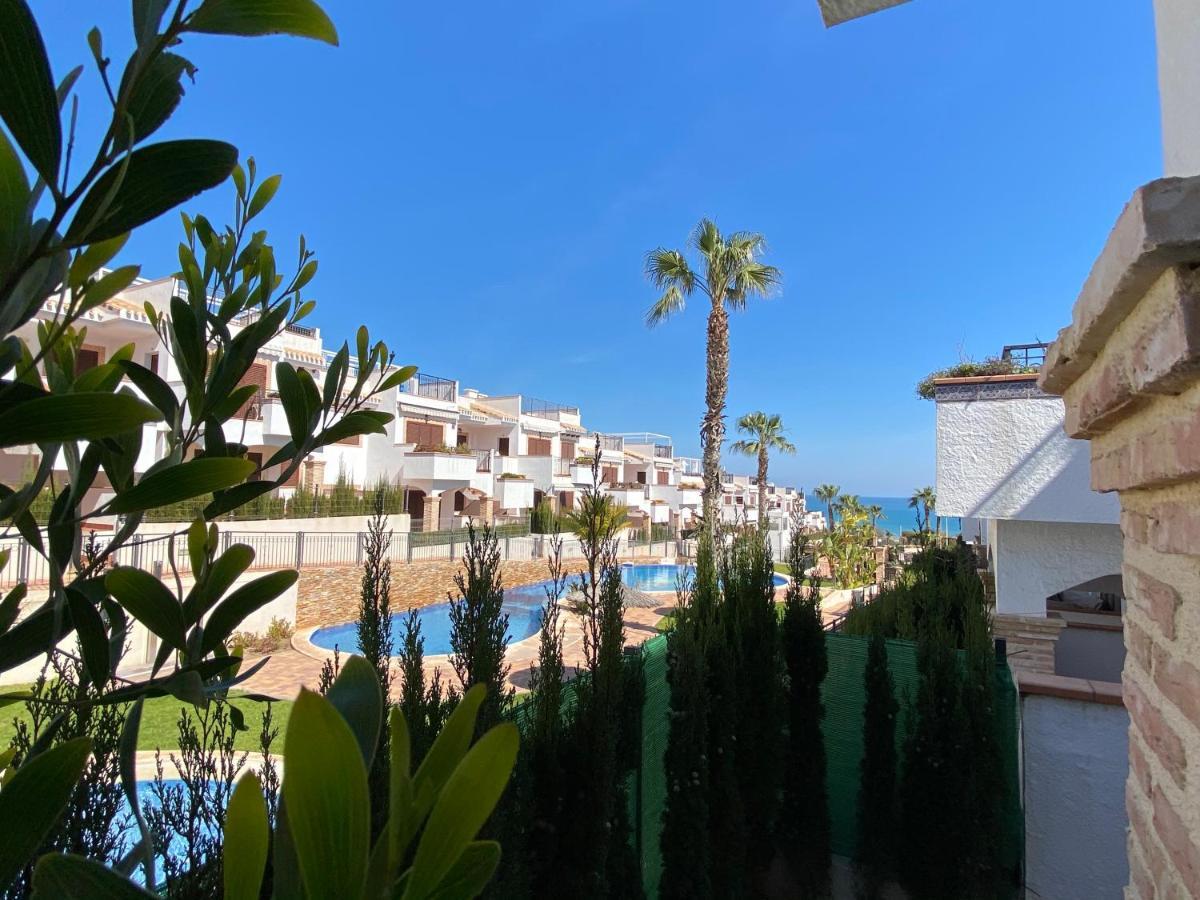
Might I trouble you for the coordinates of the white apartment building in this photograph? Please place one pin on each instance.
(459, 453)
(1053, 544)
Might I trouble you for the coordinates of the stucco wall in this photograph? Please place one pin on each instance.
(1010, 459)
(1033, 560)
(1075, 766)
(1177, 26)
(398, 522)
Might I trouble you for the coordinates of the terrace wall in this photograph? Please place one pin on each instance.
(1128, 368)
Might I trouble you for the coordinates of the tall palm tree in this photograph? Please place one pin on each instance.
(731, 275)
(875, 511)
(828, 494)
(765, 434)
(923, 501)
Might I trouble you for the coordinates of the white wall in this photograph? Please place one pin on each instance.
(141, 648)
(1075, 764)
(397, 522)
(1011, 459)
(1033, 560)
(1177, 24)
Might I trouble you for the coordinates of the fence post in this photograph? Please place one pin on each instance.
(22, 562)
(361, 539)
(136, 545)
(451, 543)
(507, 547)
(408, 546)
(226, 540)
(299, 549)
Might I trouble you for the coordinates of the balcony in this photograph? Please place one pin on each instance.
(1025, 356)
(662, 451)
(439, 465)
(483, 460)
(514, 493)
(432, 387)
(544, 409)
(690, 465)
(180, 290)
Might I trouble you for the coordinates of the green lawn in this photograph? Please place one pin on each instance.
(783, 568)
(160, 719)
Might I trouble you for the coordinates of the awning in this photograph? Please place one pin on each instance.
(411, 410)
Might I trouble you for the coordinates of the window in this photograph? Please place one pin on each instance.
(568, 449)
(641, 477)
(664, 477)
(424, 433)
(257, 376)
(539, 446)
(86, 359)
(609, 474)
(502, 446)
(566, 500)
(153, 363)
(463, 439)
(460, 501)
(728, 500)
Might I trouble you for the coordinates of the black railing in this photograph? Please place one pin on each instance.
(1028, 356)
(531, 406)
(431, 386)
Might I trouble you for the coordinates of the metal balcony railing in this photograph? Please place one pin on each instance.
(422, 385)
(690, 465)
(180, 290)
(607, 442)
(662, 451)
(1029, 356)
(483, 460)
(531, 406)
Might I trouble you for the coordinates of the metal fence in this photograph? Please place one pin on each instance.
(326, 549)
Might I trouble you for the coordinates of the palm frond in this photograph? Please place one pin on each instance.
(754, 278)
(664, 307)
(747, 244)
(747, 448)
(706, 238)
(669, 267)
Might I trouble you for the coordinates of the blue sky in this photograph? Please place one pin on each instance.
(481, 182)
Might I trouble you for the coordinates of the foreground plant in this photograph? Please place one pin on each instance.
(66, 211)
(321, 844)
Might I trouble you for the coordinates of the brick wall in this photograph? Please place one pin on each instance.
(1128, 368)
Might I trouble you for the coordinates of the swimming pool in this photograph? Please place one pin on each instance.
(663, 577)
(524, 605)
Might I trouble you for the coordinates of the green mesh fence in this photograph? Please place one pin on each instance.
(844, 696)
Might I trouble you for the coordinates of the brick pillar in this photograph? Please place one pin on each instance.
(487, 510)
(433, 511)
(1128, 368)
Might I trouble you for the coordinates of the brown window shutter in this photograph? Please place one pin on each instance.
(257, 376)
(86, 359)
(423, 433)
(609, 474)
(539, 446)
(664, 477)
(568, 449)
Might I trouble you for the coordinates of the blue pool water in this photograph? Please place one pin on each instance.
(523, 604)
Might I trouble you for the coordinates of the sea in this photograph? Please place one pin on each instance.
(897, 516)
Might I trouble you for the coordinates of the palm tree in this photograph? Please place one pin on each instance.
(827, 494)
(876, 513)
(923, 501)
(731, 275)
(765, 434)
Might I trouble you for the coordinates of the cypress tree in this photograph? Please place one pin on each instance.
(933, 788)
(479, 626)
(375, 644)
(685, 837)
(803, 829)
(425, 704)
(877, 789)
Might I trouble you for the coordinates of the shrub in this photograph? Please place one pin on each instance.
(277, 637)
(991, 365)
